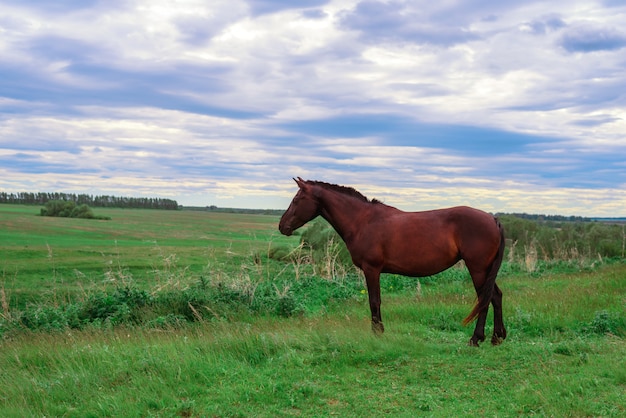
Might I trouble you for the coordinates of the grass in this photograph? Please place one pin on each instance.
(43, 255)
(565, 355)
(312, 366)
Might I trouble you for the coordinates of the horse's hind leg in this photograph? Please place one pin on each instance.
(499, 332)
(479, 331)
(478, 277)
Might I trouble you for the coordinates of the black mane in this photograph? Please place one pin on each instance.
(343, 189)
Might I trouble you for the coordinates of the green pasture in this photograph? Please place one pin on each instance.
(46, 254)
(194, 317)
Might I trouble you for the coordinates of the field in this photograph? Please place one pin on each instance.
(183, 313)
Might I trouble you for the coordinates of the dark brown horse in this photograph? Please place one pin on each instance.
(383, 239)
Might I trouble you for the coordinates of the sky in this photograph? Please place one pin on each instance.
(507, 106)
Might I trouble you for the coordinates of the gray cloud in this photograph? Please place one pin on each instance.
(591, 39)
(314, 14)
(61, 6)
(259, 7)
(595, 122)
(399, 21)
(544, 25)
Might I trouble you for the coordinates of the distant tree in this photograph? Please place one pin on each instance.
(82, 211)
(60, 208)
(68, 209)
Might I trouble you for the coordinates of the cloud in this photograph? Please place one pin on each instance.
(399, 21)
(402, 131)
(259, 7)
(543, 25)
(198, 25)
(314, 14)
(586, 38)
(598, 121)
(497, 104)
(60, 6)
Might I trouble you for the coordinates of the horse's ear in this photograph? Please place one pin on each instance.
(299, 182)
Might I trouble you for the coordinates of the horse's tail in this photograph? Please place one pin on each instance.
(486, 291)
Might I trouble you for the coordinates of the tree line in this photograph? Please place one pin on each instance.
(247, 211)
(41, 198)
(546, 218)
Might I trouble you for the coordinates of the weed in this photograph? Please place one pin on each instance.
(530, 257)
(6, 314)
(605, 322)
(168, 321)
(521, 320)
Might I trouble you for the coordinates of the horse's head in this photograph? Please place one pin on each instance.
(303, 208)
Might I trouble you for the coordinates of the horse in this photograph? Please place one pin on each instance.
(384, 239)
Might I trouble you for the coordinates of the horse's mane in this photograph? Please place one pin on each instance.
(342, 189)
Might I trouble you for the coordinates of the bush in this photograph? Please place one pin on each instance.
(82, 211)
(605, 322)
(171, 309)
(559, 241)
(68, 209)
(119, 307)
(280, 253)
(169, 321)
(325, 242)
(286, 305)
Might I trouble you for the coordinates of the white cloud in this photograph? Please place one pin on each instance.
(497, 104)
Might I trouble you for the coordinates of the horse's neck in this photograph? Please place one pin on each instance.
(341, 211)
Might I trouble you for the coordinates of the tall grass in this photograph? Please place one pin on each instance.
(252, 285)
(279, 280)
(564, 241)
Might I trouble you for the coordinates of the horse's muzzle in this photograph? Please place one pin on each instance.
(285, 230)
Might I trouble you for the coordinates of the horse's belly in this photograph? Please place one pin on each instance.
(419, 268)
(421, 259)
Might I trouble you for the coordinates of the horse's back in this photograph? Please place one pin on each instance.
(471, 222)
(458, 220)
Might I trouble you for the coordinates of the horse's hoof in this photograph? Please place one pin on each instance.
(473, 343)
(378, 328)
(496, 340)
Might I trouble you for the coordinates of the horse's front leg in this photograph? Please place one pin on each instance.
(372, 277)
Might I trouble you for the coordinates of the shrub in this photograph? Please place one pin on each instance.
(202, 301)
(280, 253)
(119, 307)
(68, 209)
(46, 318)
(82, 211)
(605, 322)
(168, 321)
(286, 305)
(324, 241)
(562, 241)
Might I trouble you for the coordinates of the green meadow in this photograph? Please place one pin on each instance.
(191, 313)
(41, 256)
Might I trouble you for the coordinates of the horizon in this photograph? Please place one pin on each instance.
(259, 209)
